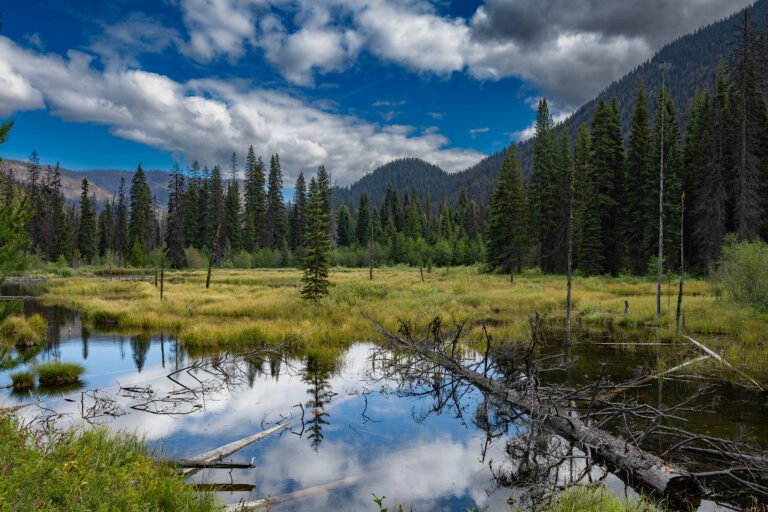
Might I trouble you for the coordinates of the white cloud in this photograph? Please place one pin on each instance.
(208, 119)
(570, 49)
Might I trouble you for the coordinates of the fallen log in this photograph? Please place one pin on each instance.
(224, 487)
(636, 466)
(726, 363)
(215, 464)
(301, 494)
(649, 378)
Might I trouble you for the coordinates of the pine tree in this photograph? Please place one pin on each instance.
(414, 228)
(121, 237)
(589, 241)
(204, 222)
(86, 233)
(606, 176)
(256, 199)
(507, 240)
(363, 228)
(749, 110)
(189, 206)
(344, 227)
(543, 199)
(298, 214)
(641, 176)
(215, 216)
(140, 225)
(275, 206)
(105, 230)
(233, 226)
(316, 264)
(174, 233)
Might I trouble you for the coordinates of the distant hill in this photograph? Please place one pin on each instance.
(693, 61)
(103, 183)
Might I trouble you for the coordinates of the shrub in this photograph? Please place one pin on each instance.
(22, 380)
(743, 272)
(195, 258)
(242, 260)
(59, 374)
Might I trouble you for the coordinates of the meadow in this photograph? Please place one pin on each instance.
(248, 307)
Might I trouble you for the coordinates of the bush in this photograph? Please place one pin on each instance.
(95, 470)
(267, 258)
(743, 272)
(22, 380)
(195, 258)
(59, 374)
(242, 259)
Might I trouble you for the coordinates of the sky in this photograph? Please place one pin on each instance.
(349, 84)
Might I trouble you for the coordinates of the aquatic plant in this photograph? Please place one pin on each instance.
(58, 373)
(22, 380)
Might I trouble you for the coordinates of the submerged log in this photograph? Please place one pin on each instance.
(636, 466)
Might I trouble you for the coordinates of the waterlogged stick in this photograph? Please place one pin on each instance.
(726, 363)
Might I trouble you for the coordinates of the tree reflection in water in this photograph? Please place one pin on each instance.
(317, 374)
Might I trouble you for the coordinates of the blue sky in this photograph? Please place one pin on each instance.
(346, 83)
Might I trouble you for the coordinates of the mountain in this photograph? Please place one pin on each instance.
(692, 60)
(103, 183)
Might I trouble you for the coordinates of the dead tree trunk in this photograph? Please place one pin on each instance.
(636, 466)
(211, 259)
(682, 266)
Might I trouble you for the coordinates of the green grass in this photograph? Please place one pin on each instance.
(22, 380)
(23, 331)
(89, 471)
(250, 307)
(58, 373)
(595, 499)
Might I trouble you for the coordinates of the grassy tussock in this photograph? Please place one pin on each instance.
(90, 471)
(22, 381)
(18, 330)
(595, 499)
(244, 307)
(59, 373)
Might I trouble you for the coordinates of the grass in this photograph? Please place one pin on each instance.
(248, 307)
(23, 380)
(23, 331)
(88, 471)
(595, 499)
(59, 373)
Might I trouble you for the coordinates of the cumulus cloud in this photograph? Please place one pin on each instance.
(569, 49)
(208, 119)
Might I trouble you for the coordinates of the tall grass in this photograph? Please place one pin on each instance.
(58, 373)
(23, 331)
(92, 470)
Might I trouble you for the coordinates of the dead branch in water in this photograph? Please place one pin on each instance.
(617, 434)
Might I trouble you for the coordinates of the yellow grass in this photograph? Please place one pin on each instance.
(245, 307)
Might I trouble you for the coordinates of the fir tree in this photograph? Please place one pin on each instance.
(140, 225)
(344, 227)
(542, 189)
(190, 204)
(121, 237)
(316, 264)
(298, 214)
(174, 233)
(86, 233)
(105, 230)
(363, 228)
(507, 239)
(640, 179)
(589, 242)
(275, 206)
(216, 214)
(256, 199)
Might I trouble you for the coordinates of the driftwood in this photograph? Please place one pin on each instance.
(186, 463)
(635, 465)
(650, 378)
(726, 363)
(301, 494)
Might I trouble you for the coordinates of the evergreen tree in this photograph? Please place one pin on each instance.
(121, 237)
(233, 227)
(86, 233)
(256, 199)
(204, 221)
(414, 228)
(542, 188)
(105, 230)
(606, 176)
(507, 241)
(344, 227)
(298, 214)
(190, 204)
(175, 233)
(140, 225)
(363, 228)
(641, 175)
(749, 113)
(275, 206)
(316, 264)
(216, 214)
(589, 241)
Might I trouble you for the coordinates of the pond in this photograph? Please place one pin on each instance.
(353, 429)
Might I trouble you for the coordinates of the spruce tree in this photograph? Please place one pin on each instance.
(507, 237)
(318, 248)
(216, 227)
(589, 241)
(256, 199)
(299, 214)
(121, 235)
(105, 230)
(140, 225)
(344, 227)
(543, 198)
(363, 228)
(641, 173)
(275, 206)
(204, 222)
(86, 233)
(190, 205)
(175, 233)
(606, 176)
